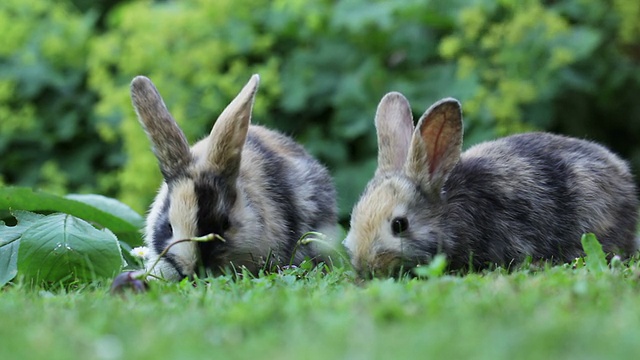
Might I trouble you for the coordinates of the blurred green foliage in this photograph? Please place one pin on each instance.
(47, 132)
(66, 123)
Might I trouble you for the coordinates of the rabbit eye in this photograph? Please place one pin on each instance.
(226, 224)
(399, 225)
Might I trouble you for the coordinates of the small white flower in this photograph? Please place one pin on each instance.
(140, 251)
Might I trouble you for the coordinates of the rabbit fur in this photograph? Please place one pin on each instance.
(499, 202)
(256, 188)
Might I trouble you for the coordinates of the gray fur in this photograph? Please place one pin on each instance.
(499, 202)
(255, 187)
(393, 136)
(169, 143)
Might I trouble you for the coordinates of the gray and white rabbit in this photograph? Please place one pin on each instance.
(499, 202)
(256, 188)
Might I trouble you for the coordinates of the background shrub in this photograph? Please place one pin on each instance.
(569, 66)
(48, 136)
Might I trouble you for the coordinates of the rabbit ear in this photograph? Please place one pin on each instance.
(394, 125)
(230, 131)
(169, 143)
(436, 145)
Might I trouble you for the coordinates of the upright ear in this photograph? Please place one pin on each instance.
(436, 145)
(169, 143)
(230, 131)
(394, 125)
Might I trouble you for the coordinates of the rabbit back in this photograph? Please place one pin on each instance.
(289, 190)
(535, 194)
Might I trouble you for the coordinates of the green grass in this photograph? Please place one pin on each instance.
(556, 312)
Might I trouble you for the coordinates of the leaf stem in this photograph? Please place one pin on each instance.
(205, 238)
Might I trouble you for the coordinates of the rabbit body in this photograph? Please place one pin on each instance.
(256, 188)
(499, 202)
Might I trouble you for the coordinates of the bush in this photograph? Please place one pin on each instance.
(48, 137)
(568, 66)
(323, 71)
(199, 54)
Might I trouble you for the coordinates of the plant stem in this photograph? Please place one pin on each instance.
(164, 252)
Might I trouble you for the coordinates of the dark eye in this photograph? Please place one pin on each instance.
(169, 229)
(399, 225)
(226, 224)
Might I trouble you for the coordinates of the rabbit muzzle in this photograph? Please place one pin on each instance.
(385, 264)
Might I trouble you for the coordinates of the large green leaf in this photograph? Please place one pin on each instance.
(109, 213)
(10, 242)
(61, 247)
(110, 206)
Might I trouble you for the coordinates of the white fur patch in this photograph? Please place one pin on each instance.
(183, 211)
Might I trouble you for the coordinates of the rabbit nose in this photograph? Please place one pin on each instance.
(365, 274)
(368, 270)
(363, 269)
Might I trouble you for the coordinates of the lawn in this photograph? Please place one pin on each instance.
(559, 312)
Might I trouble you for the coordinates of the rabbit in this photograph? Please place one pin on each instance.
(255, 188)
(498, 203)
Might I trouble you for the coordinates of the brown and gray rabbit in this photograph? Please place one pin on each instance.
(256, 188)
(499, 202)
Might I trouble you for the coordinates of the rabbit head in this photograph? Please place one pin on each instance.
(396, 223)
(199, 183)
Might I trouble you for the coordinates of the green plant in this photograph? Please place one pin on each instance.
(515, 66)
(565, 66)
(66, 123)
(203, 52)
(48, 137)
(197, 53)
(63, 246)
(551, 312)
